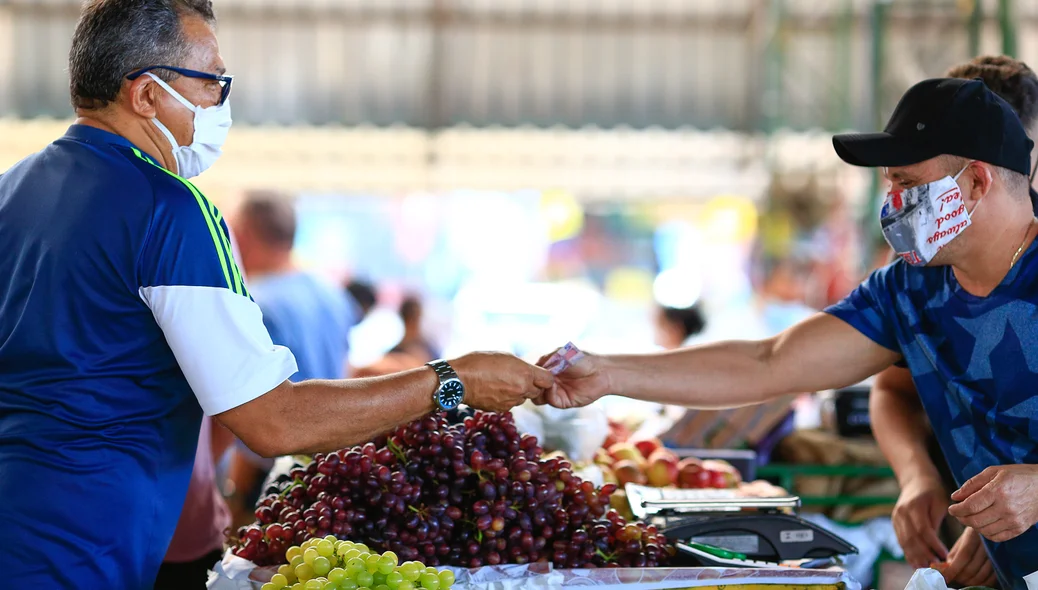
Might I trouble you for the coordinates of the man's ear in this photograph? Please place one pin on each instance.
(981, 179)
(141, 96)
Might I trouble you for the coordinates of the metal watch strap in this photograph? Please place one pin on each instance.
(443, 369)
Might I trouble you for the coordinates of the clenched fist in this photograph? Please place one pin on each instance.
(498, 382)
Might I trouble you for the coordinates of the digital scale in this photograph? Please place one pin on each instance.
(720, 528)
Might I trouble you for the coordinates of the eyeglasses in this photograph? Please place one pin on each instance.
(224, 81)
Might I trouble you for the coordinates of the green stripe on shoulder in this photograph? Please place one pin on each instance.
(214, 229)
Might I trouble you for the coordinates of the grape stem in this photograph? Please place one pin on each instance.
(295, 483)
(396, 450)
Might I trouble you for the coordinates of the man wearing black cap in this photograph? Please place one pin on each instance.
(898, 418)
(958, 308)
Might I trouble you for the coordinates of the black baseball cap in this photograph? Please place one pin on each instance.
(943, 116)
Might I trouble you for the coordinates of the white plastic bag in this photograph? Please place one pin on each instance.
(577, 432)
(927, 579)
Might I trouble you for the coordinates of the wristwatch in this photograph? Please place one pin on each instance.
(451, 391)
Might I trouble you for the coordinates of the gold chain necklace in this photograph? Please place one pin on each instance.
(1022, 242)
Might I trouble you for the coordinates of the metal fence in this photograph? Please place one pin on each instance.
(736, 64)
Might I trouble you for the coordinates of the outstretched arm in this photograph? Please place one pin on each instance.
(820, 353)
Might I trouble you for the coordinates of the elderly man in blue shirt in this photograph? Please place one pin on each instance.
(123, 317)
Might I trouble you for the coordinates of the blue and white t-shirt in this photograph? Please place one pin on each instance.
(974, 361)
(122, 318)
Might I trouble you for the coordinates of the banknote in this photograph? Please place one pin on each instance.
(563, 358)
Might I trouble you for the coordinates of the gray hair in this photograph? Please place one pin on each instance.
(1016, 184)
(115, 37)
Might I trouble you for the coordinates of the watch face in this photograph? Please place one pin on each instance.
(450, 394)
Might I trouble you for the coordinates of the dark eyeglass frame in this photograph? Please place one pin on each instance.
(225, 81)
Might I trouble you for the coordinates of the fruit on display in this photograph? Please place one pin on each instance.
(626, 451)
(333, 564)
(618, 432)
(662, 470)
(624, 463)
(627, 471)
(646, 446)
(469, 494)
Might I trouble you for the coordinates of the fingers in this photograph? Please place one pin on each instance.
(1002, 531)
(974, 484)
(981, 520)
(928, 530)
(974, 504)
(544, 359)
(923, 546)
(978, 569)
(542, 378)
(956, 564)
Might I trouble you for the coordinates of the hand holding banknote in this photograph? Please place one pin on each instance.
(579, 378)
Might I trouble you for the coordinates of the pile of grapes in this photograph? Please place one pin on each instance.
(471, 494)
(331, 564)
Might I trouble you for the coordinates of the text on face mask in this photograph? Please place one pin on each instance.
(951, 215)
(949, 197)
(942, 233)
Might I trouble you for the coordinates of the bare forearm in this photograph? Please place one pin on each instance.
(323, 415)
(366, 408)
(726, 374)
(900, 428)
(821, 353)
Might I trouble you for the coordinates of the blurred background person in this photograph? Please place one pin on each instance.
(676, 326)
(414, 344)
(198, 540)
(363, 296)
(300, 310)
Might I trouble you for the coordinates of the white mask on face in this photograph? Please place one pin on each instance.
(211, 127)
(919, 221)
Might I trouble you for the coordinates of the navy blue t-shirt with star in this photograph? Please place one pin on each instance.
(974, 361)
(123, 317)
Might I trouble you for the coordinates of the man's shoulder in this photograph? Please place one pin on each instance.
(168, 188)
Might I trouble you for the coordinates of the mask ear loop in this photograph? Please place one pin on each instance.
(968, 164)
(956, 178)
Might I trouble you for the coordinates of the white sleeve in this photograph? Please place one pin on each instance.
(220, 342)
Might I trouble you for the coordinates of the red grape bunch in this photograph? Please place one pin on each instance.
(471, 494)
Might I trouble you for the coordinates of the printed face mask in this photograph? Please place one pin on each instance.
(211, 127)
(919, 221)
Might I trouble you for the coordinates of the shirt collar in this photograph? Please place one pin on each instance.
(93, 135)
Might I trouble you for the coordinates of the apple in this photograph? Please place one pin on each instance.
(731, 475)
(703, 479)
(618, 432)
(718, 479)
(662, 470)
(608, 476)
(664, 454)
(647, 446)
(628, 472)
(619, 502)
(688, 471)
(626, 452)
(602, 458)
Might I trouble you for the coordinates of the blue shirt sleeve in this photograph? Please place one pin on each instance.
(869, 308)
(188, 243)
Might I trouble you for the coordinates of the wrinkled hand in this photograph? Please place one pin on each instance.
(498, 382)
(917, 516)
(968, 563)
(579, 385)
(999, 502)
